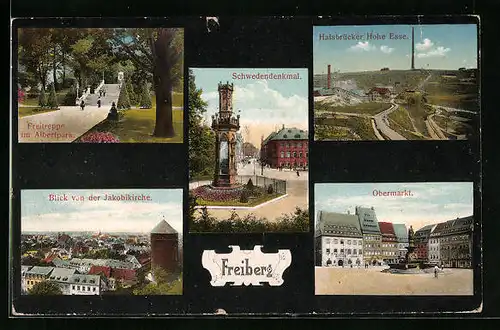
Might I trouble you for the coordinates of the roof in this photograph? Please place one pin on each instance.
(423, 233)
(380, 90)
(386, 228)
(60, 263)
(291, 133)
(368, 220)
(24, 269)
(124, 274)
(96, 270)
(61, 274)
(454, 227)
(40, 270)
(338, 224)
(163, 228)
(85, 279)
(401, 232)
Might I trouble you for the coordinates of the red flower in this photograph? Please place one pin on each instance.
(100, 137)
(20, 95)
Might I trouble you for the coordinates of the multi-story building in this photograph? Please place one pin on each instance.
(402, 237)
(81, 284)
(390, 251)
(421, 239)
(372, 238)
(338, 239)
(61, 276)
(434, 244)
(24, 269)
(36, 275)
(456, 243)
(287, 148)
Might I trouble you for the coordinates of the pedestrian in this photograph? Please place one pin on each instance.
(99, 102)
(104, 93)
(298, 174)
(436, 269)
(82, 105)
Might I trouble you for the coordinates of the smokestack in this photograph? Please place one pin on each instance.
(412, 48)
(329, 76)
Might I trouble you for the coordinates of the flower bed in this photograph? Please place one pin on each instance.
(217, 195)
(99, 137)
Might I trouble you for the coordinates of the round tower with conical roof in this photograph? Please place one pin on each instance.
(164, 247)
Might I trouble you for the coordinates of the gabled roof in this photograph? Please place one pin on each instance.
(39, 270)
(386, 228)
(123, 274)
(163, 228)
(61, 274)
(401, 232)
(85, 279)
(368, 220)
(338, 224)
(96, 270)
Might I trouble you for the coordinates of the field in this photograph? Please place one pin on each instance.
(452, 93)
(452, 126)
(344, 128)
(368, 108)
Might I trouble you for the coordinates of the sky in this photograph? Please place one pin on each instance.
(438, 46)
(431, 203)
(262, 104)
(40, 214)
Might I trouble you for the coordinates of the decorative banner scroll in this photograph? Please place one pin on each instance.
(246, 267)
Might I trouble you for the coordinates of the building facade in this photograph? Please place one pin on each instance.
(62, 277)
(287, 148)
(402, 238)
(422, 235)
(434, 244)
(338, 240)
(372, 238)
(81, 284)
(36, 275)
(456, 243)
(390, 250)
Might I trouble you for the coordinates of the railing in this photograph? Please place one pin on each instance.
(279, 186)
(83, 97)
(98, 88)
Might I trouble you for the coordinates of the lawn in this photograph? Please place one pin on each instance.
(368, 108)
(33, 101)
(345, 128)
(252, 201)
(137, 125)
(28, 111)
(401, 117)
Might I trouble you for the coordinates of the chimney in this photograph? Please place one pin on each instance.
(412, 48)
(329, 76)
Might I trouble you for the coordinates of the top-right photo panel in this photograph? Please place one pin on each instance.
(396, 82)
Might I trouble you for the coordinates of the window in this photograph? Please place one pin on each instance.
(335, 241)
(282, 154)
(335, 251)
(288, 154)
(299, 145)
(348, 251)
(288, 145)
(327, 251)
(341, 241)
(93, 289)
(341, 250)
(355, 242)
(73, 287)
(306, 154)
(78, 288)
(300, 154)
(348, 242)
(360, 251)
(294, 154)
(354, 251)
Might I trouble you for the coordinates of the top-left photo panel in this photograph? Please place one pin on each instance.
(99, 85)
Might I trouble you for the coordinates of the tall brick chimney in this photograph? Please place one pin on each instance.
(329, 78)
(412, 48)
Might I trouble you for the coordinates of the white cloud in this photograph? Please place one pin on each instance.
(425, 45)
(437, 52)
(386, 49)
(362, 46)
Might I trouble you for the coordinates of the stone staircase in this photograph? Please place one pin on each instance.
(112, 94)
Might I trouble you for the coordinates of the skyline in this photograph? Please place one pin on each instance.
(264, 104)
(437, 46)
(431, 203)
(38, 214)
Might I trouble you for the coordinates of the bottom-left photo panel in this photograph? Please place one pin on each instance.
(101, 242)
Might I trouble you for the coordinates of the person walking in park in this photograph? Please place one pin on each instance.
(82, 105)
(99, 102)
(298, 174)
(436, 270)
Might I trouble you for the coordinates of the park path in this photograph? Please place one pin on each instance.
(381, 122)
(63, 125)
(297, 194)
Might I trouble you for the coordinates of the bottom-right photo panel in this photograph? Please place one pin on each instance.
(394, 238)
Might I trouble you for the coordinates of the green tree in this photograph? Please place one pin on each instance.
(145, 98)
(35, 52)
(131, 93)
(42, 99)
(45, 288)
(201, 137)
(159, 52)
(123, 99)
(52, 100)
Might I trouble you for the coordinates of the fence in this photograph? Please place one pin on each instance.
(279, 186)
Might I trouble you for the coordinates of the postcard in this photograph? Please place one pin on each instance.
(248, 150)
(396, 82)
(394, 239)
(113, 85)
(101, 242)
